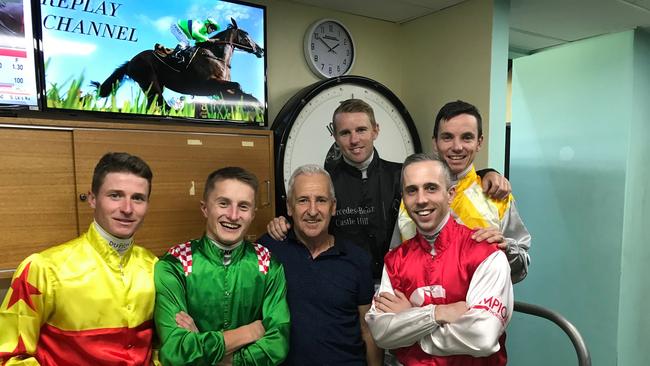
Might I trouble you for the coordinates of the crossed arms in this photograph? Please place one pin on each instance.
(470, 327)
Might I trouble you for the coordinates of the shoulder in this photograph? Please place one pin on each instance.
(178, 256)
(144, 254)
(400, 252)
(391, 165)
(461, 235)
(74, 250)
(265, 262)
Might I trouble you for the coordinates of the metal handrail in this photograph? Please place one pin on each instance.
(584, 359)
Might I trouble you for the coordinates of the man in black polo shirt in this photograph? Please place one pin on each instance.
(329, 280)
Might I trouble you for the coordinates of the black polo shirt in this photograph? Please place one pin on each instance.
(324, 295)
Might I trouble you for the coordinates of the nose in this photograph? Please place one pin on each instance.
(127, 206)
(354, 138)
(420, 198)
(312, 210)
(456, 145)
(232, 213)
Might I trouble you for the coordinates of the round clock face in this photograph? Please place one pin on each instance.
(329, 48)
(310, 138)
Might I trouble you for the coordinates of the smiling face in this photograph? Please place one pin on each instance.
(229, 209)
(355, 135)
(426, 195)
(120, 203)
(458, 141)
(311, 206)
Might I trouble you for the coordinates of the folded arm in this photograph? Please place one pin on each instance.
(477, 331)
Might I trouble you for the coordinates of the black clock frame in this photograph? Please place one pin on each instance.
(284, 122)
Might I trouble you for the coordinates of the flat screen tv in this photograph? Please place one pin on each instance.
(17, 67)
(204, 60)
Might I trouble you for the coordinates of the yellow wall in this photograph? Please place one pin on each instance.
(447, 57)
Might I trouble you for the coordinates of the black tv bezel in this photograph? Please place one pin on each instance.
(12, 109)
(61, 113)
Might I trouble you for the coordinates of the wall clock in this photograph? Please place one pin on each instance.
(329, 48)
(303, 131)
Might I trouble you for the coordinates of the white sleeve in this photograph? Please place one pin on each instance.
(403, 329)
(490, 302)
(518, 239)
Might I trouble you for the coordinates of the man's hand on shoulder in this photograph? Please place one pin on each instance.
(278, 228)
(449, 313)
(389, 303)
(492, 235)
(496, 186)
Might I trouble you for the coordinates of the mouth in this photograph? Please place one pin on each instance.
(124, 221)
(230, 225)
(424, 213)
(454, 158)
(312, 221)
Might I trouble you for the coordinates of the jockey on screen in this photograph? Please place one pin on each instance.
(187, 30)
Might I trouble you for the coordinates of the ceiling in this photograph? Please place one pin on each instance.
(534, 24)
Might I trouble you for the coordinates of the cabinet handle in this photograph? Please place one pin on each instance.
(83, 197)
(268, 194)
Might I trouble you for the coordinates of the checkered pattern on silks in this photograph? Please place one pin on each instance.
(263, 258)
(184, 254)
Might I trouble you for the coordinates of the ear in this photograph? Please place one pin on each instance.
(434, 146)
(92, 200)
(375, 131)
(333, 207)
(204, 209)
(480, 143)
(452, 193)
(289, 208)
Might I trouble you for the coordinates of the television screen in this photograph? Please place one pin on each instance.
(203, 59)
(17, 72)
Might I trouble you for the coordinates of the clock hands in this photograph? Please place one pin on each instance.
(329, 49)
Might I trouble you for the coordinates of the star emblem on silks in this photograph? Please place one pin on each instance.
(20, 350)
(22, 289)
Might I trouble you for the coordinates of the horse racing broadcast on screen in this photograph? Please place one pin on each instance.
(204, 60)
(17, 68)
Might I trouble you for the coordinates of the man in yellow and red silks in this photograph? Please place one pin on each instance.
(89, 301)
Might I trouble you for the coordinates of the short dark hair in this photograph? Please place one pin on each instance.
(420, 157)
(453, 109)
(230, 172)
(119, 162)
(354, 106)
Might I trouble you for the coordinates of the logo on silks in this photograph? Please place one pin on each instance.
(495, 306)
(426, 295)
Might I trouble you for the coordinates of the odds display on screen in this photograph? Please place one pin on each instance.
(17, 74)
(124, 57)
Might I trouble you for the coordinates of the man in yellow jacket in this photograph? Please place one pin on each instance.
(457, 137)
(88, 301)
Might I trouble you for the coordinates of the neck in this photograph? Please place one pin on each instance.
(362, 166)
(432, 235)
(316, 245)
(223, 246)
(457, 177)
(120, 245)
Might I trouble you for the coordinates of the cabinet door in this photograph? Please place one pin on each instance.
(37, 193)
(180, 162)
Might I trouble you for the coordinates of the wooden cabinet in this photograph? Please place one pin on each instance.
(47, 170)
(37, 193)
